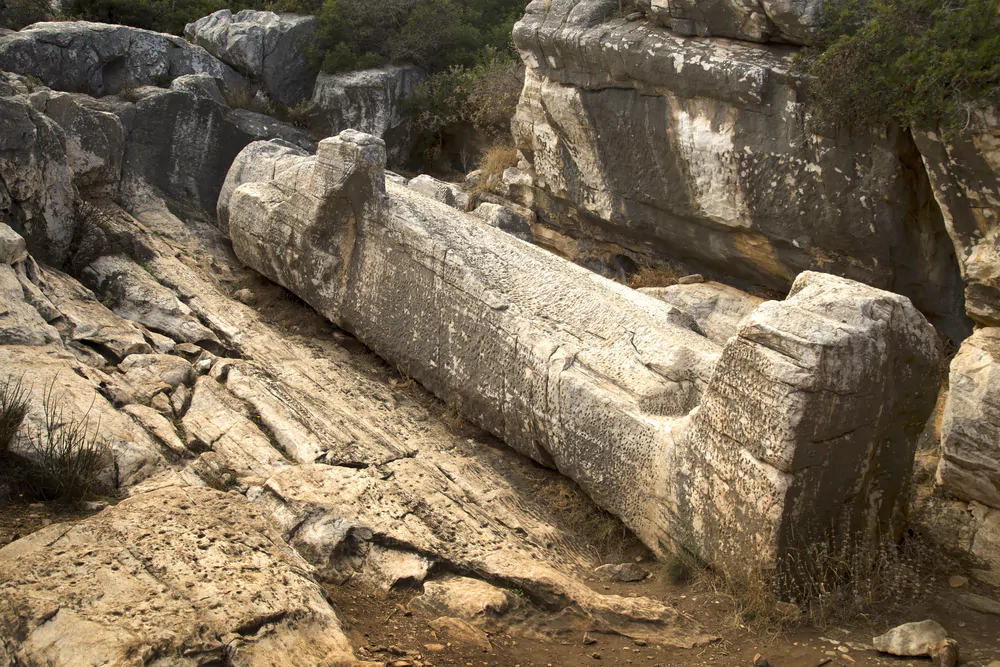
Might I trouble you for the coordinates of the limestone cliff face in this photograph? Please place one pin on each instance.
(700, 149)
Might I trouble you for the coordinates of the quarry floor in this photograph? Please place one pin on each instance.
(381, 627)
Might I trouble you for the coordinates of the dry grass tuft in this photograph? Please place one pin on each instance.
(822, 588)
(239, 98)
(649, 276)
(579, 515)
(494, 162)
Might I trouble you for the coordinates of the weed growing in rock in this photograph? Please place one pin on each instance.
(823, 587)
(495, 160)
(64, 458)
(13, 410)
(659, 276)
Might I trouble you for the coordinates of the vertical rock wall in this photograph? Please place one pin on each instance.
(700, 150)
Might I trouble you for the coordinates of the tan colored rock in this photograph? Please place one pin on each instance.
(176, 573)
(462, 632)
(44, 370)
(465, 598)
(12, 246)
(970, 429)
(911, 639)
(150, 374)
(20, 323)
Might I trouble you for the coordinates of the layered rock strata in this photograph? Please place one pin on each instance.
(700, 150)
(799, 430)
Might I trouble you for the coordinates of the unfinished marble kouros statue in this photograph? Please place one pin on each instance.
(799, 430)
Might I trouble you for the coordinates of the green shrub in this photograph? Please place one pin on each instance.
(16, 14)
(922, 63)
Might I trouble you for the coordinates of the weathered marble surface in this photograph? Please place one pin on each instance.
(104, 59)
(616, 389)
(700, 151)
(265, 46)
(970, 430)
(965, 174)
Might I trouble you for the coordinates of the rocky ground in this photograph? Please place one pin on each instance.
(428, 570)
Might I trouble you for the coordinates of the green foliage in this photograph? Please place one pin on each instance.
(484, 96)
(923, 63)
(433, 34)
(16, 14)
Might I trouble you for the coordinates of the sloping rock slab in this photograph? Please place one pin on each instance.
(180, 575)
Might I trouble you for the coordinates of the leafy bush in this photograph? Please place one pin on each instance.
(16, 14)
(433, 34)
(923, 63)
(484, 96)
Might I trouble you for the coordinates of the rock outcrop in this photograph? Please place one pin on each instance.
(787, 21)
(183, 574)
(698, 150)
(718, 309)
(970, 430)
(616, 389)
(369, 101)
(102, 59)
(270, 48)
(36, 181)
(965, 174)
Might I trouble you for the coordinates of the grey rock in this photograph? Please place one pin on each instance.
(95, 139)
(369, 101)
(842, 373)
(980, 603)
(622, 132)
(271, 48)
(132, 293)
(792, 21)
(259, 161)
(446, 193)
(20, 323)
(624, 572)
(12, 246)
(36, 181)
(201, 85)
(718, 309)
(911, 639)
(970, 428)
(504, 218)
(197, 139)
(103, 59)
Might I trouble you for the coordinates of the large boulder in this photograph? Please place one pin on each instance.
(260, 161)
(36, 179)
(369, 101)
(791, 21)
(718, 309)
(700, 152)
(179, 575)
(103, 59)
(272, 48)
(970, 429)
(965, 174)
(802, 434)
(95, 138)
(183, 143)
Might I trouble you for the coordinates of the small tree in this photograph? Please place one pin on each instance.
(923, 63)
